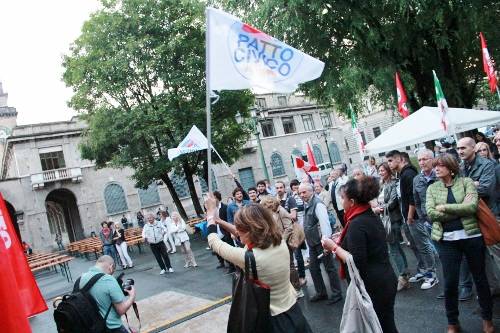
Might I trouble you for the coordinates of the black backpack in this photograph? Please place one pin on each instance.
(78, 312)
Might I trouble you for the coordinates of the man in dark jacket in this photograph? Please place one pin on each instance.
(482, 172)
(418, 228)
(400, 165)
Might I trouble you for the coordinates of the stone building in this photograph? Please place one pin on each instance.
(50, 189)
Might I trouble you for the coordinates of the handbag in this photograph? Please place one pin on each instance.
(386, 221)
(358, 315)
(297, 236)
(488, 224)
(250, 309)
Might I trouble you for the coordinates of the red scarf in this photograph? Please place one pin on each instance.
(106, 232)
(349, 214)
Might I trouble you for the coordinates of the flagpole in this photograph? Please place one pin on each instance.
(498, 93)
(223, 162)
(208, 104)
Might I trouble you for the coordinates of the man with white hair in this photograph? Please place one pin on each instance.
(317, 226)
(153, 232)
(107, 293)
(418, 228)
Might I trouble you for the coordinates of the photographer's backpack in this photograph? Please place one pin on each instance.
(78, 312)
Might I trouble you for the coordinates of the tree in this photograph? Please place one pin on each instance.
(363, 43)
(138, 76)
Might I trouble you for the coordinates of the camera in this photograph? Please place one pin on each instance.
(127, 285)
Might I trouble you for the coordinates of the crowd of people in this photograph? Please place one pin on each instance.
(373, 214)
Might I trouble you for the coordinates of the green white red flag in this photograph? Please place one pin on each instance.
(441, 102)
(357, 133)
(488, 67)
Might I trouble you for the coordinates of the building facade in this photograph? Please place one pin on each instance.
(50, 189)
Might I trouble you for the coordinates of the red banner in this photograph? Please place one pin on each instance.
(21, 297)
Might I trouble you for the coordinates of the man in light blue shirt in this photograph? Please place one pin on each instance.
(108, 294)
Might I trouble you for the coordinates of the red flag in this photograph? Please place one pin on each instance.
(301, 164)
(16, 274)
(310, 156)
(400, 90)
(488, 64)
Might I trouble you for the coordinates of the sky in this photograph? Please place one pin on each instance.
(34, 35)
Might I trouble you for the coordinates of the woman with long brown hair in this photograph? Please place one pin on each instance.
(257, 230)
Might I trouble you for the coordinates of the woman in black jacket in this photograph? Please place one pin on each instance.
(364, 237)
(389, 208)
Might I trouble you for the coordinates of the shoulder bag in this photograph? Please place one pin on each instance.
(250, 309)
(358, 315)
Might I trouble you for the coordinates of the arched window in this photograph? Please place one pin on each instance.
(149, 196)
(180, 185)
(335, 153)
(318, 155)
(277, 166)
(114, 198)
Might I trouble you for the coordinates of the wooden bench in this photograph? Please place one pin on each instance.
(193, 222)
(51, 260)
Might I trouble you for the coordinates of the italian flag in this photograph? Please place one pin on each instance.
(357, 133)
(441, 102)
(488, 67)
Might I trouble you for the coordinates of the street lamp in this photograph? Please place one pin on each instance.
(257, 114)
(324, 134)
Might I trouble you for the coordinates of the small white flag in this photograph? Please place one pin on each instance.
(242, 57)
(194, 141)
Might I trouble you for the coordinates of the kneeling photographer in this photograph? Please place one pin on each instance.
(108, 293)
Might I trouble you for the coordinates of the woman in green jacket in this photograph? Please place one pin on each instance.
(452, 205)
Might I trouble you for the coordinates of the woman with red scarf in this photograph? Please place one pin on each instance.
(364, 237)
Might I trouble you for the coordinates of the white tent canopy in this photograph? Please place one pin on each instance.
(425, 125)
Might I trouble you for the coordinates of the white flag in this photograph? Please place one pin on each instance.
(194, 141)
(242, 57)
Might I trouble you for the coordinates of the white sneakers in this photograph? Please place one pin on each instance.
(170, 270)
(429, 283)
(162, 272)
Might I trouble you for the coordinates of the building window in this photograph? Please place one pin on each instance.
(52, 160)
(246, 178)
(149, 197)
(288, 125)
(334, 153)
(180, 185)
(295, 153)
(381, 154)
(114, 198)
(408, 147)
(203, 183)
(267, 128)
(326, 121)
(376, 131)
(277, 166)
(307, 119)
(282, 100)
(346, 144)
(261, 102)
(363, 136)
(318, 155)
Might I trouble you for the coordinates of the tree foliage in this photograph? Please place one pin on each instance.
(138, 75)
(363, 43)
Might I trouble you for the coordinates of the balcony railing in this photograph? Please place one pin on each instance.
(38, 180)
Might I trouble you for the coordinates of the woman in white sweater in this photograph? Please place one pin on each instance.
(254, 225)
(181, 238)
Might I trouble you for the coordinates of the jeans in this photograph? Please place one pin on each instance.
(301, 268)
(161, 255)
(397, 255)
(451, 254)
(331, 218)
(413, 247)
(109, 250)
(423, 245)
(331, 270)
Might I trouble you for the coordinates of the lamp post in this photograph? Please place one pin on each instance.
(324, 134)
(255, 114)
